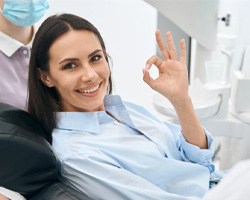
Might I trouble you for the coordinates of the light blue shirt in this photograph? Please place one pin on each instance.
(141, 158)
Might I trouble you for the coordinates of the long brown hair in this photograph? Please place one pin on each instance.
(43, 101)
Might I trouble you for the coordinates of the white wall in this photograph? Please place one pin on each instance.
(128, 28)
(240, 26)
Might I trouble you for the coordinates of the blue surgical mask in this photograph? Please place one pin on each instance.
(24, 12)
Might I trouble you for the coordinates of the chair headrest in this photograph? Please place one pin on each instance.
(27, 162)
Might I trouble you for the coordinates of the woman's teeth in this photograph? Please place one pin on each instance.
(91, 90)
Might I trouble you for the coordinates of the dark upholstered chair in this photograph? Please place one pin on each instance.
(27, 163)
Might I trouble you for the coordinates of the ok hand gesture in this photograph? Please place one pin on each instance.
(172, 81)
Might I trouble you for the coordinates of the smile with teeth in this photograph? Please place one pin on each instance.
(90, 90)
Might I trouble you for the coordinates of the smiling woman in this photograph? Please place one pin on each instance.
(80, 73)
(97, 136)
(73, 72)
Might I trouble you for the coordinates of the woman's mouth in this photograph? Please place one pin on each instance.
(89, 90)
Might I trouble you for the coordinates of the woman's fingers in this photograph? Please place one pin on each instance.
(162, 46)
(154, 60)
(146, 77)
(182, 52)
(171, 46)
(168, 51)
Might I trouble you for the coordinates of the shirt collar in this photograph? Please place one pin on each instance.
(9, 45)
(79, 121)
(90, 121)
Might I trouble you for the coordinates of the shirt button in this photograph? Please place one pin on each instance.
(25, 51)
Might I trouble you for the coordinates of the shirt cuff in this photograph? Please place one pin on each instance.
(193, 153)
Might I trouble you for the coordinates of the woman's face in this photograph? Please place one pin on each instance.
(79, 71)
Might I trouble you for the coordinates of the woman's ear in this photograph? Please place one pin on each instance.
(44, 77)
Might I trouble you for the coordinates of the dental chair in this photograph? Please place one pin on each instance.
(27, 163)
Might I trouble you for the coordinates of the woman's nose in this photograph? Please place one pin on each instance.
(89, 74)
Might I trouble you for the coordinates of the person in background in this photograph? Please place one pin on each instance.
(109, 148)
(17, 18)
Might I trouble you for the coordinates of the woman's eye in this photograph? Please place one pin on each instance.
(95, 58)
(70, 65)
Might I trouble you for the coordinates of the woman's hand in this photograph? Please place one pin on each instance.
(172, 81)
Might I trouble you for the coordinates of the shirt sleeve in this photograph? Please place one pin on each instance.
(192, 153)
(98, 178)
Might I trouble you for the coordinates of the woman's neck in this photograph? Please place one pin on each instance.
(19, 33)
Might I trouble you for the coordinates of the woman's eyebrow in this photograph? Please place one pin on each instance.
(76, 59)
(94, 52)
(68, 59)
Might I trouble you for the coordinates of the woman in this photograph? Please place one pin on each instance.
(108, 148)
